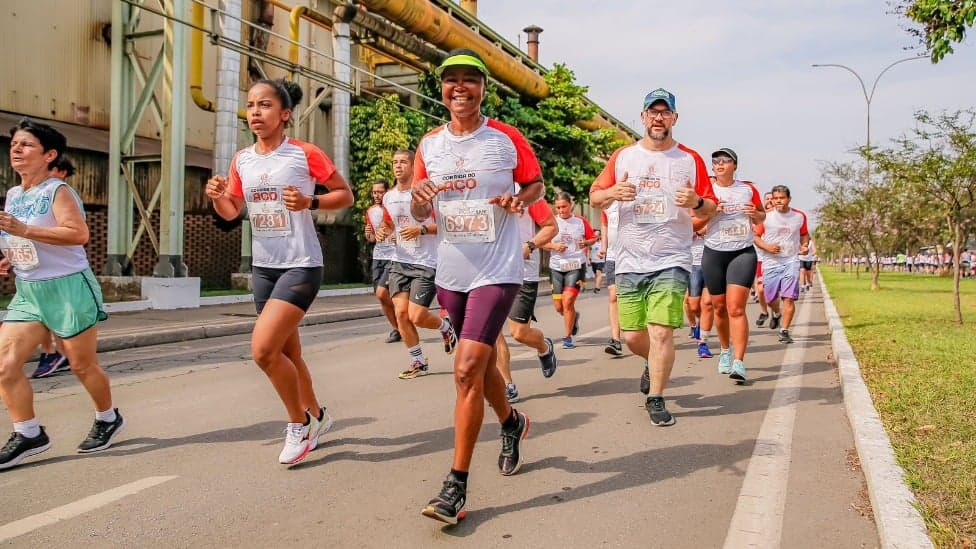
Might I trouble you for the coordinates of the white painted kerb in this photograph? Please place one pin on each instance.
(899, 523)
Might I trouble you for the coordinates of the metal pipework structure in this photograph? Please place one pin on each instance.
(437, 26)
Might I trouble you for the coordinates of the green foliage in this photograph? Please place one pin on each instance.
(376, 130)
(942, 23)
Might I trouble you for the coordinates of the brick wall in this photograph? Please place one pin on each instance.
(211, 250)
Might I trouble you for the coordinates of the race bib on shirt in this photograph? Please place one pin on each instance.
(468, 221)
(267, 212)
(651, 208)
(734, 230)
(786, 249)
(570, 265)
(403, 222)
(21, 252)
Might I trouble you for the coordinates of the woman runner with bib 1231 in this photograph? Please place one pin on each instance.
(276, 178)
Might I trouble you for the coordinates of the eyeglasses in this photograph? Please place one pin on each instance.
(718, 161)
(665, 114)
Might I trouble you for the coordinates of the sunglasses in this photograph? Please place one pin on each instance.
(718, 161)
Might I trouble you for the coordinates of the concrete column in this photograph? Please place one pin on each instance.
(340, 98)
(119, 224)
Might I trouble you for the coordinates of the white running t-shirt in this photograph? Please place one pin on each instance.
(730, 229)
(784, 229)
(383, 250)
(653, 233)
(480, 243)
(418, 251)
(571, 231)
(611, 217)
(282, 238)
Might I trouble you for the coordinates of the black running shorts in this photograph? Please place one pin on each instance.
(724, 268)
(297, 285)
(417, 280)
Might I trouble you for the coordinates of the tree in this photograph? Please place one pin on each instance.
(937, 162)
(571, 157)
(942, 23)
(376, 130)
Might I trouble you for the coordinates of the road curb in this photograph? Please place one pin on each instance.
(899, 523)
(119, 342)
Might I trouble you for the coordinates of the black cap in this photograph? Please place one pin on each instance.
(725, 151)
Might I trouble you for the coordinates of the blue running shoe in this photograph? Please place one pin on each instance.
(568, 343)
(738, 372)
(45, 366)
(704, 351)
(725, 362)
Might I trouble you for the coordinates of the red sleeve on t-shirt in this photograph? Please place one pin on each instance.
(236, 187)
(320, 167)
(703, 185)
(540, 212)
(759, 230)
(756, 198)
(587, 229)
(803, 228)
(527, 167)
(608, 177)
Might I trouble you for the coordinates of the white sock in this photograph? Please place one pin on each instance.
(106, 416)
(776, 315)
(416, 352)
(29, 428)
(445, 325)
(703, 336)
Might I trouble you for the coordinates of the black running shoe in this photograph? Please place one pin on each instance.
(19, 447)
(761, 320)
(660, 415)
(614, 348)
(784, 336)
(576, 324)
(393, 337)
(446, 507)
(774, 321)
(645, 382)
(510, 459)
(549, 360)
(102, 434)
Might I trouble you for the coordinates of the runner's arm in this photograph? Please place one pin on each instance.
(71, 229)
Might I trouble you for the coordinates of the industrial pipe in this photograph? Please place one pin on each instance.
(436, 26)
(196, 63)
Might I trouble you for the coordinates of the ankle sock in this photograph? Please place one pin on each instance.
(30, 428)
(460, 475)
(416, 352)
(107, 416)
(512, 420)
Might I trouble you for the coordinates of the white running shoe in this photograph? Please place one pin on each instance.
(297, 443)
(319, 427)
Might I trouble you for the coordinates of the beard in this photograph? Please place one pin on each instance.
(658, 136)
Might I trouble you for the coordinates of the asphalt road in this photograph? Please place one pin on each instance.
(197, 465)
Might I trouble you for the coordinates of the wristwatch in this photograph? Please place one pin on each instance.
(315, 203)
(531, 245)
(701, 202)
(423, 229)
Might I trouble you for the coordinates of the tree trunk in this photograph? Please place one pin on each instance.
(876, 273)
(956, 271)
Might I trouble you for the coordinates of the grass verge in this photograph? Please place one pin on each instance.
(921, 370)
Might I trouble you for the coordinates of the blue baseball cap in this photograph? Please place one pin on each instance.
(659, 94)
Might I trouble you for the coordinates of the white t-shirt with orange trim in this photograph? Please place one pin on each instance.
(731, 229)
(383, 250)
(480, 243)
(653, 233)
(611, 216)
(571, 231)
(282, 239)
(418, 251)
(529, 223)
(784, 229)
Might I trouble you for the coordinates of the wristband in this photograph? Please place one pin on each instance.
(315, 203)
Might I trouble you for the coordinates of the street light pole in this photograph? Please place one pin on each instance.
(868, 97)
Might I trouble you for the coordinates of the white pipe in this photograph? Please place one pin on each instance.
(340, 98)
(228, 93)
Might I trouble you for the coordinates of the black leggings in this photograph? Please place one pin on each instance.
(724, 268)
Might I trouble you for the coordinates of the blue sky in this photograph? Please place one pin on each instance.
(742, 76)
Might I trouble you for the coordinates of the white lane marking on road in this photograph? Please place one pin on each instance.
(758, 517)
(71, 510)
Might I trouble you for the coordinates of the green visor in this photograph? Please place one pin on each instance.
(463, 60)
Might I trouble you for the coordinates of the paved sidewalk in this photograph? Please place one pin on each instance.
(156, 327)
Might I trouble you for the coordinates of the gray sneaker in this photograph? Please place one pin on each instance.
(511, 393)
(659, 414)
